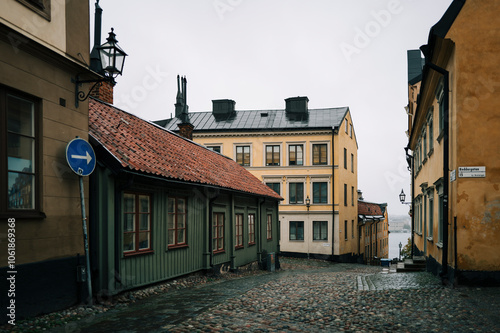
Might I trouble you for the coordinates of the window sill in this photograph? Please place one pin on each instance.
(439, 245)
(23, 215)
(219, 251)
(179, 246)
(295, 240)
(239, 247)
(430, 152)
(430, 239)
(425, 160)
(251, 244)
(137, 253)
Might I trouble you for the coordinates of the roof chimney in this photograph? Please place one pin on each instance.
(95, 62)
(223, 107)
(181, 107)
(296, 107)
(104, 92)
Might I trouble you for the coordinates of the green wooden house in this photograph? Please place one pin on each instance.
(162, 206)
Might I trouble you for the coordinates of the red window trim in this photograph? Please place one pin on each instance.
(137, 229)
(184, 244)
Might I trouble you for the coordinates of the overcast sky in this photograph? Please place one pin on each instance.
(259, 52)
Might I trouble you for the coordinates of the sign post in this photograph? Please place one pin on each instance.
(81, 159)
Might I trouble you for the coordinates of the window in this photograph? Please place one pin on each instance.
(352, 228)
(218, 232)
(177, 221)
(295, 155)
(319, 154)
(346, 125)
(345, 158)
(345, 194)
(345, 229)
(243, 155)
(350, 133)
(352, 163)
(239, 231)
(275, 187)
(269, 226)
(296, 193)
(320, 230)
(320, 192)
(214, 148)
(424, 143)
(19, 155)
(251, 229)
(441, 213)
(296, 230)
(431, 135)
(136, 223)
(41, 7)
(352, 195)
(273, 155)
(431, 216)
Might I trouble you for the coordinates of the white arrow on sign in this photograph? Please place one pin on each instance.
(81, 157)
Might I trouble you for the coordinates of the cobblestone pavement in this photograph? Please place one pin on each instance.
(309, 296)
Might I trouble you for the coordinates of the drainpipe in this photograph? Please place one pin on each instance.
(260, 242)
(333, 192)
(446, 166)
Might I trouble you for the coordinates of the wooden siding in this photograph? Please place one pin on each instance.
(117, 272)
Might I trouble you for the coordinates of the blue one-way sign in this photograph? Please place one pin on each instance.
(80, 157)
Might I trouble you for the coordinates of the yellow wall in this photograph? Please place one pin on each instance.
(308, 173)
(474, 137)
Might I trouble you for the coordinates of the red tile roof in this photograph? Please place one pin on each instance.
(369, 209)
(142, 146)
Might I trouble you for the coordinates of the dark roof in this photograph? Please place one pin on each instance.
(143, 147)
(260, 120)
(415, 64)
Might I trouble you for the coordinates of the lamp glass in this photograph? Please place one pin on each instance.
(402, 196)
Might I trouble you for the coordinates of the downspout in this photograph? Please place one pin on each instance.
(260, 242)
(412, 206)
(446, 166)
(333, 192)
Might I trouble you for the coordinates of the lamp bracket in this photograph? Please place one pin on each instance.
(80, 95)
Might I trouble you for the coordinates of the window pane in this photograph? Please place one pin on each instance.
(144, 240)
(181, 205)
(21, 191)
(20, 153)
(129, 203)
(171, 239)
(171, 205)
(292, 155)
(144, 203)
(144, 222)
(300, 156)
(293, 231)
(129, 224)
(293, 189)
(181, 221)
(180, 236)
(20, 118)
(129, 242)
(300, 193)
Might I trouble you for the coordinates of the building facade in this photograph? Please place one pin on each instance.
(163, 206)
(373, 231)
(308, 156)
(43, 46)
(453, 136)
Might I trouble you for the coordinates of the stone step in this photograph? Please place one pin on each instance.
(416, 264)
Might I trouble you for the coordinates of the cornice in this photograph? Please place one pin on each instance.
(259, 134)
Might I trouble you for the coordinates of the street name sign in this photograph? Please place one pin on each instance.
(80, 157)
(472, 172)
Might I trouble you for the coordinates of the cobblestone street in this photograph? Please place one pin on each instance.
(309, 296)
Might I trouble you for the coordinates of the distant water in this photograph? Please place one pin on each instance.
(394, 239)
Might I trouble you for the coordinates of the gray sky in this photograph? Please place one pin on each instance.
(259, 52)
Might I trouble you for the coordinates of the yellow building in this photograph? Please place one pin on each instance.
(373, 231)
(454, 138)
(308, 156)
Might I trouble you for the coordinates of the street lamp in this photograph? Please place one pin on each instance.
(400, 246)
(402, 197)
(308, 203)
(111, 58)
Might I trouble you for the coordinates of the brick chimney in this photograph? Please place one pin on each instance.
(104, 92)
(186, 130)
